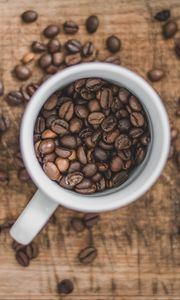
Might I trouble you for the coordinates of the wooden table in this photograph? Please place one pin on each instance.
(139, 245)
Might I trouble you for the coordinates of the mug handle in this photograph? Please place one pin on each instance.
(33, 218)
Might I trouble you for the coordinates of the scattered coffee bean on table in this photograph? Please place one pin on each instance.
(87, 255)
(163, 15)
(92, 24)
(65, 287)
(51, 31)
(85, 142)
(29, 16)
(77, 224)
(113, 43)
(4, 122)
(22, 258)
(155, 74)
(22, 72)
(91, 219)
(169, 29)
(70, 27)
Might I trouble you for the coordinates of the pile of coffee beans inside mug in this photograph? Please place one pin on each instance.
(90, 135)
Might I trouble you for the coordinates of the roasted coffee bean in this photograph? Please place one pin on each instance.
(1, 88)
(106, 98)
(66, 110)
(72, 59)
(127, 164)
(22, 258)
(51, 102)
(17, 246)
(162, 15)
(84, 184)
(97, 177)
(113, 60)
(135, 132)
(23, 175)
(89, 170)
(123, 95)
(32, 88)
(4, 122)
(51, 69)
(140, 154)
(79, 84)
(110, 137)
(134, 103)
(125, 154)
(51, 31)
(65, 287)
(62, 152)
(100, 154)
(101, 185)
(109, 123)
(81, 111)
(51, 170)
(124, 125)
(122, 142)
(29, 16)
(145, 139)
(155, 75)
(70, 27)
(91, 219)
(87, 49)
(113, 43)
(122, 113)
(74, 178)
(82, 155)
(90, 190)
(169, 29)
(58, 58)
(60, 127)
(87, 94)
(105, 146)
(74, 166)
(116, 104)
(69, 141)
(39, 125)
(49, 158)
(28, 57)
(87, 255)
(91, 57)
(50, 119)
(85, 133)
(45, 60)
(47, 146)
(77, 224)
(119, 178)
(102, 166)
(38, 47)
(73, 155)
(92, 24)
(73, 46)
(107, 174)
(94, 84)
(75, 125)
(137, 119)
(116, 164)
(62, 164)
(96, 118)
(96, 136)
(32, 250)
(4, 178)
(93, 105)
(22, 72)
(53, 46)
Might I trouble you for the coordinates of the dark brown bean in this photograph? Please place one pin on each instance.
(51, 31)
(100, 154)
(122, 142)
(91, 219)
(81, 111)
(109, 123)
(32, 250)
(84, 184)
(51, 102)
(102, 166)
(22, 72)
(73, 46)
(62, 164)
(119, 178)
(134, 103)
(162, 15)
(106, 98)
(39, 125)
(105, 146)
(125, 154)
(58, 58)
(93, 105)
(17, 246)
(101, 185)
(45, 60)
(87, 49)
(22, 258)
(64, 184)
(155, 74)
(81, 155)
(169, 29)
(86, 191)
(69, 141)
(137, 119)
(123, 95)
(66, 110)
(77, 224)
(97, 177)
(116, 164)
(38, 47)
(96, 118)
(140, 155)
(136, 132)
(87, 255)
(89, 170)
(94, 84)
(124, 125)
(62, 152)
(53, 46)
(70, 27)
(92, 23)
(72, 59)
(29, 16)
(60, 126)
(65, 287)
(113, 60)
(23, 175)
(49, 157)
(74, 178)
(113, 43)
(47, 146)
(74, 166)
(51, 170)
(110, 137)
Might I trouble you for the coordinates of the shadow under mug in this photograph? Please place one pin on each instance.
(50, 195)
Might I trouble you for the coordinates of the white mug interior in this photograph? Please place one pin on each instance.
(141, 179)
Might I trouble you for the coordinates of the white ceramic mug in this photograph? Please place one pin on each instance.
(50, 194)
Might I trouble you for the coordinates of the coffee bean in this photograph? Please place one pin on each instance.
(119, 178)
(162, 15)
(47, 146)
(45, 60)
(174, 134)
(134, 103)
(38, 47)
(91, 57)
(75, 125)
(29, 16)
(155, 75)
(102, 166)
(137, 119)
(113, 60)
(51, 102)
(48, 134)
(122, 113)
(53, 46)
(145, 139)
(89, 170)
(32, 88)
(81, 155)
(106, 98)
(87, 49)
(101, 185)
(77, 224)
(49, 158)
(110, 137)
(96, 118)
(4, 178)
(100, 154)
(140, 154)
(113, 43)
(92, 23)
(23, 175)
(84, 184)
(86, 191)
(51, 31)
(66, 110)
(169, 29)
(74, 166)
(116, 164)
(1, 88)
(51, 170)
(58, 59)
(4, 122)
(74, 178)
(73, 46)
(79, 84)
(62, 164)
(60, 127)
(87, 255)
(93, 105)
(51, 69)
(109, 123)
(28, 57)
(124, 125)
(116, 104)
(97, 177)
(22, 72)
(70, 27)
(136, 132)
(16, 246)
(62, 152)
(39, 125)
(22, 258)
(94, 84)
(72, 59)
(89, 143)
(91, 219)
(123, 95)
(81, 111)
(122, 142)
(105, 146)
(32, 250)
(69, 141)
(65, 287)
(49, 120)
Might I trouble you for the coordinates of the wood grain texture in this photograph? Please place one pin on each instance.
(139, 245)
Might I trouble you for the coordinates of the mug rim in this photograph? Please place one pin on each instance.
(50, 188)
